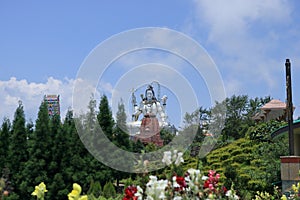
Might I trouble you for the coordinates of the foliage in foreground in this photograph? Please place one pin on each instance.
(251, 163)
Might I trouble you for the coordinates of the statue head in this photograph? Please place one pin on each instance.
(149, 94)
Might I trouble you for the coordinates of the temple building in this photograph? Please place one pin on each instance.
(273, 110)
(53, 104)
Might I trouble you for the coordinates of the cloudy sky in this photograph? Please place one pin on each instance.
(44, 44)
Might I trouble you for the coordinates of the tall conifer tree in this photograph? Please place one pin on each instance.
(121, 131)
(58, 150)
(105, 118)
(18, 154)
(121, 139)
(4, 143)
(36, 168)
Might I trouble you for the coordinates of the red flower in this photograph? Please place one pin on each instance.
(212, 181)
(181, 182)
(129, 193)
(206, 184)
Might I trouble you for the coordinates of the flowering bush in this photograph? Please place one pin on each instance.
(192, 185)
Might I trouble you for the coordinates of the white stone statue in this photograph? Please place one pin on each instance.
(151, 107)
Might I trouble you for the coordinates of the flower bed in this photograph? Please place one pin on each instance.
(193, 184)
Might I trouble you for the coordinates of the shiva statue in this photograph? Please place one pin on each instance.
(151, 108)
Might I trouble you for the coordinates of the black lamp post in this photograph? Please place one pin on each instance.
(289, 106)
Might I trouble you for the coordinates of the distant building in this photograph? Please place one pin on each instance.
(273, 110)
(53, 104)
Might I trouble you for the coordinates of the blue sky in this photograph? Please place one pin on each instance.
(44, 43)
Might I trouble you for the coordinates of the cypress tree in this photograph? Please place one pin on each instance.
(4, 142)
(93, 141)
(73, 159)
(77, 158)
(121, 139)
(105, 118)
(106, 123)
(109, 190)
(121, 131)
(36, 168)
(18, 148)
(58, 143)
(95, 189)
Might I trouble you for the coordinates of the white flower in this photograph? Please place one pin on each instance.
(194, 173)
(231, 194)
(179, 159)
(139, 193)
(162, 195)
(175, 158)
(187, 179)
(175, 184)
(167, 158)
(156, 188)
(174, 155)
(152, 181)
(193, 180)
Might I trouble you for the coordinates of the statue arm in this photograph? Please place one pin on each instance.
(137, 112)
(162, 114)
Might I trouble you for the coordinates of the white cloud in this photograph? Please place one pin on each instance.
(236, 17)
(31, 95)
(245, 37)
(249, 41)
(10, 101)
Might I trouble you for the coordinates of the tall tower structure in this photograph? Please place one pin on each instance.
(53, 104)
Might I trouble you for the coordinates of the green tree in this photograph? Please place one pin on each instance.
(121, 136)
(137, 146)
(235, 117)
(75, 155)
(57, 144)
(94, 141)
(29, 131)
(4, 142)
(109, 190)
(121, 139)
(255, 104)
(200, 118)
(18, 154)
(166, 135)
(57, 186)
(197, 122)
(36, 168)
(95, 189)
(240, 110)
(105, 118)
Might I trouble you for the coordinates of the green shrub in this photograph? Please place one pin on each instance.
(95, 189)
(109, 190)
